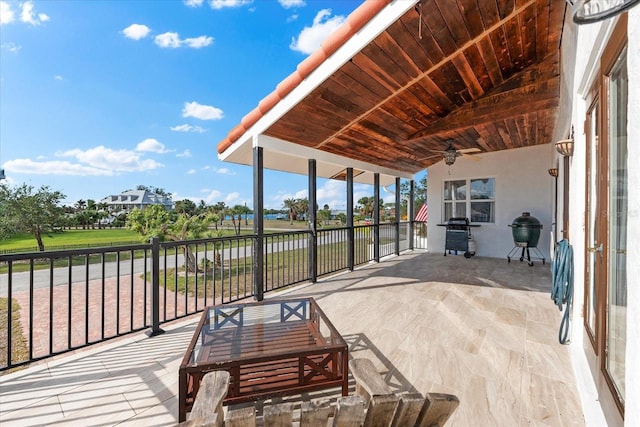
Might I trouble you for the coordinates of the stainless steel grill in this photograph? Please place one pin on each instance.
(457, 236)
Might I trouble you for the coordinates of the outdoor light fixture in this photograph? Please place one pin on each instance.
(450, 155)
(588, 11)
(565, 146)
(553, 172)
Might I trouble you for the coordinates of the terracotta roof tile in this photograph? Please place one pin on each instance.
(251, 117)
(337, 39)
(285, 87)
(311, 63)
(268, 102)
(355, 21)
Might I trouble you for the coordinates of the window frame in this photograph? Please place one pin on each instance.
(468, 201)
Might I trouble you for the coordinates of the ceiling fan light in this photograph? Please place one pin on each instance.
(450, 158)
(449, 155)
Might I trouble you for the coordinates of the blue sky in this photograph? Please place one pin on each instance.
(97, 97)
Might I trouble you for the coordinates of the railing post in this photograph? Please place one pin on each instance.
(397, 216)
(411, 213)
(155, 288)
(376, 217)
(258, 224)
(350, 231)
(313, 220)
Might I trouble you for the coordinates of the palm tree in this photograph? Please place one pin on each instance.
(80, 205)
(303, 207)
(366, 206)
(291, 205)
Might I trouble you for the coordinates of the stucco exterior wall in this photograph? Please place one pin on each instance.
(589, 46)
(522, 184)
(632, 407)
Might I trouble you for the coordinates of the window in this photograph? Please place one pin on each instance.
(472, 198)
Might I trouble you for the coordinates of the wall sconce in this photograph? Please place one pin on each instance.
(553, 172)
(565, 146)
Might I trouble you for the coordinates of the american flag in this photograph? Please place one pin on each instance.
(423, 213)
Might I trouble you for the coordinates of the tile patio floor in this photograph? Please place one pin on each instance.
(482, 329)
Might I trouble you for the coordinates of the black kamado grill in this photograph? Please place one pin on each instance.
(526, 234)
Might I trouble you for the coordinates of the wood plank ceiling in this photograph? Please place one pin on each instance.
(482, 73)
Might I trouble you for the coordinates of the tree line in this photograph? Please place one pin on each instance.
(25, 209)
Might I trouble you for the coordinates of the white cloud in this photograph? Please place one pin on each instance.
(213, 196)
(191, 172)
(185, 153)
(310, 38)
(224, 171)
(188, 128)
(198, 42)
(112, 160)
(232, 198)
(136, 31)
(288, 4)
(193, 3)
(29, 15)
(151, 145)
(58, 77)
(220, 4)
(331, 190)
(278, 199)
(6, 14)
(292, 18)
(54, 168)
(11, 47)
(202, 112)
(173, 40)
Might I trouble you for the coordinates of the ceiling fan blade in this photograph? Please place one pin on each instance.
(469, 150)
(430, 157)
(472, 157)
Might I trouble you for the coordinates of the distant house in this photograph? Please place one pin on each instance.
(135, 199)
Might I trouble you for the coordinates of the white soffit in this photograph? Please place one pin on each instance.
(286, 156)
(236, 153)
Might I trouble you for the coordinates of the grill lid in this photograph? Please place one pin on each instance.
(526, 230)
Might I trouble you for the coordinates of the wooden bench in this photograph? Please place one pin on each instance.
(384, 408)
(374, 404)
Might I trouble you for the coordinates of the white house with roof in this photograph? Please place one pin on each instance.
(135, 199)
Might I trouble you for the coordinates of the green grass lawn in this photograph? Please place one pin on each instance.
(19, 350)
(72, 239)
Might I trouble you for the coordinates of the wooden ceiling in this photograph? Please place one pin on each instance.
(483, 73)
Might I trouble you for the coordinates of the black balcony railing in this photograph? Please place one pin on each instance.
(57, 301)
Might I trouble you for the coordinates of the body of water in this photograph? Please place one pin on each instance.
(267, 216)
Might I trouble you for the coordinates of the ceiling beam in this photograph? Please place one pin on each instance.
(425, 73)
(533, 89)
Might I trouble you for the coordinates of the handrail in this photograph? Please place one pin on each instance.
(64, 300)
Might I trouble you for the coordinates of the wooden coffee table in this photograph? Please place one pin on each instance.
(271, 348)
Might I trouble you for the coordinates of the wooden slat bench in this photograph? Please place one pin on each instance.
(374, 404)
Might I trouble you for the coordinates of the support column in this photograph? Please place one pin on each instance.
(411, 213)
(258, 224)
(350, 233)
(397, 216)
(376, 217)
(155, 289)
(313, 221)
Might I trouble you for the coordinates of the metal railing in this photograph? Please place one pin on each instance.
(57, 301)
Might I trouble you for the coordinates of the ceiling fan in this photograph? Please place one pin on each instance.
(450, 154)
